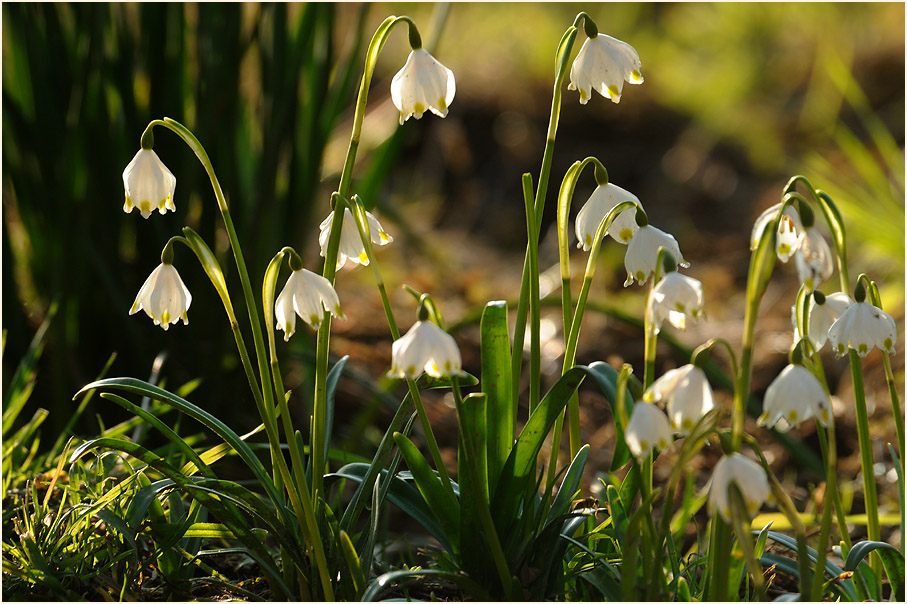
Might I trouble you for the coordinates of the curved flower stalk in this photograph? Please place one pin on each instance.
(599, 204)
(648, 429)
(860, 328)
(603, 64)
(351, 246)
(423, 84)
(792, 398)
(823, 312)
(307, 295)
(164, 297)
(149, 184)
(675, 298)
(687, 395)
(425, 348)
(642, 253)
(749, 477)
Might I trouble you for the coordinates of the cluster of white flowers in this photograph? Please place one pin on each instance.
(423, 84)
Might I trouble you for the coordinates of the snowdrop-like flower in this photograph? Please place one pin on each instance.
(149, 184)
(674, 298)
(687, 394)
(793, 397)
(642, 253)
(821, 317)
(750, 479)
(350, 242)
(422, 85)
(814, 259)
(425, 347)
(163, 297)
(862, 326)
(602, 201)
(603, 64)
(789, 230)
(648, 429)
(308, 295)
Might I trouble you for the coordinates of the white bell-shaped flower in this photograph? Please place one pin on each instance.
(793, 397)
(789, 230)
(603, 64)
(862, 326)
(422, 85)
(687, 396)
(351, 247)
(164, 297)
(642, 253)
(149, 184)
(648, 429)
(425, 347)
(815, 262)
(674, 298)
(602, 201)
(821, 318)
(308, 295)
(749, 477)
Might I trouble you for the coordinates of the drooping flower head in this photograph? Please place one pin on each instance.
(789, 229)
(642, 253)
(674, 298)
(149, 184)
(648, 428)
(602, 201)
(425, 347)
(422, 85)
(307, 295)
(861, 327)
(793, 397)
(603, 64)
(815, 263)
(749, 477)
(164, 297)
(350, 242)
(687, 395)
(821, 317)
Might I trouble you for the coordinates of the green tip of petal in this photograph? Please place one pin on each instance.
(626, 234)
(888, 344)
(644, 445)
(314, 320)
(442, 104)
(165, 318)
(640, 276)
(613, 92)
(793, 415)
(863, 349)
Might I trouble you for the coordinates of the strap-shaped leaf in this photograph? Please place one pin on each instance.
(892, 562)
(402, 494)
(496, 384)
(445, 508)
(569, 486)
(206, 419)
(479, 593)
(830, 568)
(606, 378)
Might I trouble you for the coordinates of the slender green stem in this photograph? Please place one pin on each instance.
(720, 558)
(565, 47)
(831, 486)
(365, 236)
(866, 461)
(742, 528)
(534, 311)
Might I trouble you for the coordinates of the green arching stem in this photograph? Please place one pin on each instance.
(742, 529)
(330, 262)
(358, 211)
(876, 300)
(469, 449)
(790, 512)
(866, 461)
(310, 523)
(573, 339)
(564, 49)
(266, 408)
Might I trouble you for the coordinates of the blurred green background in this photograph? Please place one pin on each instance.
(737, 98)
